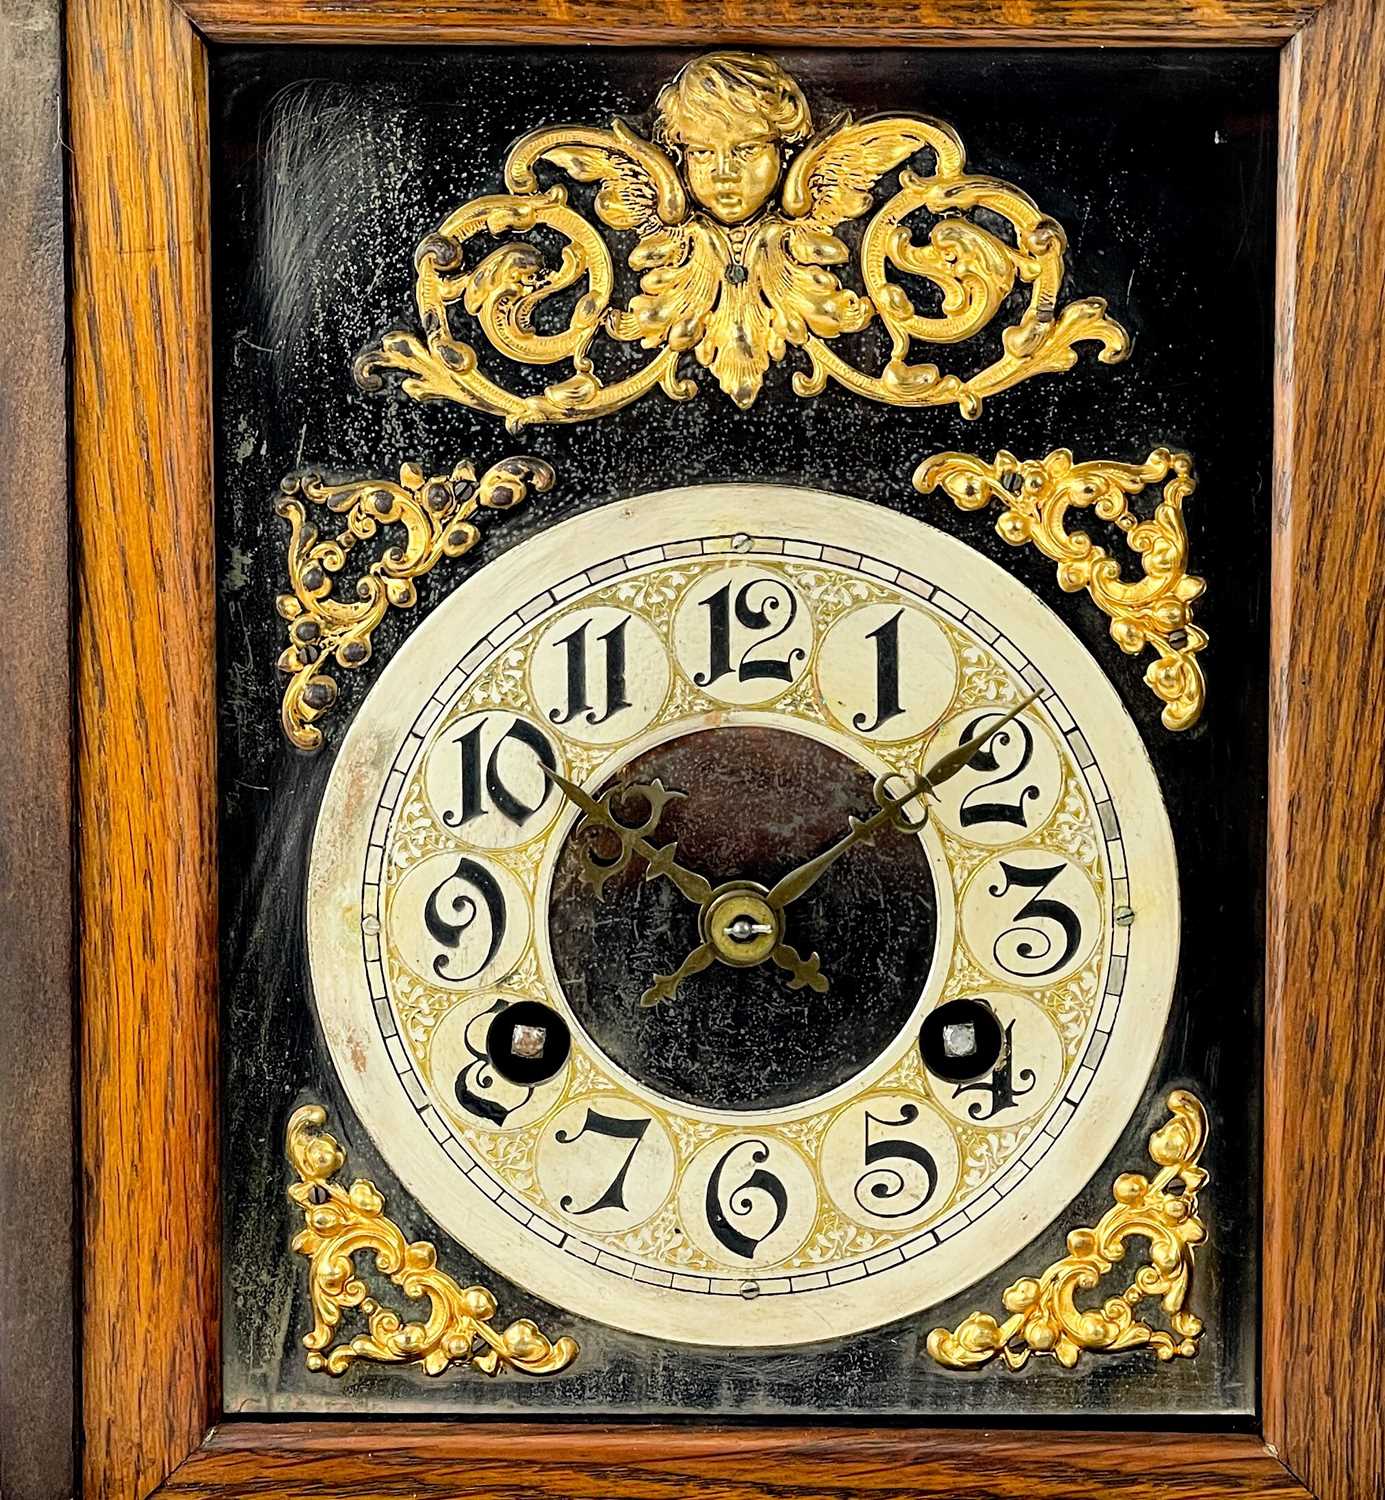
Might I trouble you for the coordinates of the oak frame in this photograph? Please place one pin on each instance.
(146, 792)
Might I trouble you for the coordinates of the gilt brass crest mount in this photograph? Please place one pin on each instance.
(735, 203)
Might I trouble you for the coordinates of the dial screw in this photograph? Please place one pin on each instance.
(1124, 916)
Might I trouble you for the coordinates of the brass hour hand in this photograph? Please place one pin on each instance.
(633, 838)
(665, 986)
(802, 971)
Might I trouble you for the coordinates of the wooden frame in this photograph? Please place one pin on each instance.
(36, 1189)
(147, 902)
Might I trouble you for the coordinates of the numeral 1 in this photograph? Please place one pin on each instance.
(887, 705)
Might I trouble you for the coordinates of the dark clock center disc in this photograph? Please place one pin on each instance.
(759, 802)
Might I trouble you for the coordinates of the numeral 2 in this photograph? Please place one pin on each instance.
(972, 811)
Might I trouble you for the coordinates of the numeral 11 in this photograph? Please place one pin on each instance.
(578, 692)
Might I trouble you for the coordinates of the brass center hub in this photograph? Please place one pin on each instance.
(742, 928)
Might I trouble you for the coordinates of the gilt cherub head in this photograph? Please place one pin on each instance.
(728, 114)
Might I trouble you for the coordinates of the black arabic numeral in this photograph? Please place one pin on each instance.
(889, 1182)
(972, 811)
(1000, 1086)
(774, 598)
(464, 912)
(578, 691)
(718, 609)
(1037, 909)
(741, 1203)
(618, 1130)
(777, 597)
(501, 797)
(887, 706)
(479, 1076)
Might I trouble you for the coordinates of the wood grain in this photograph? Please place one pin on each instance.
(1324, 1318)
(145, 748)
(532, 1461)
(774, 23)
(36, 1083)
(141, 475)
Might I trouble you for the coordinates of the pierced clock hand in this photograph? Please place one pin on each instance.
(634, 837)
(798, 882)
(742, 923)
(802, 971)
(665, 986)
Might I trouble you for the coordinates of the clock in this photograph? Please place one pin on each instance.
(697, 1001)
(663, 976)
(727, 734)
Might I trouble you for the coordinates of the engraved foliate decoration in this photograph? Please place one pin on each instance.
(735, 204)
(583, 684)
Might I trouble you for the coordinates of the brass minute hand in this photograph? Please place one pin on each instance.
(798, 882)
(633, 840)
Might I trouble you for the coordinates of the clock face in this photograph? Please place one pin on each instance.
(595, 1036)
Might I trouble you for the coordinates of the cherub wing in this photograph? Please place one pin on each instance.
(640, 188)
(640, 191)
(831, 179)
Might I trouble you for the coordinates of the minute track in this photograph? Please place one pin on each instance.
(772, 768)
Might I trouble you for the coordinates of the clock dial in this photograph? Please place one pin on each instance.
(757, 797)
(851, 1095)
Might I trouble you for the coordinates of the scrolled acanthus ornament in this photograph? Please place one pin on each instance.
(1154, 611)
(439, 518)
(735, 205)
(1044, 1317)
(342, 1223)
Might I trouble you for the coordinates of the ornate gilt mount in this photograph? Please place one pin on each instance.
(1044, 1315)
(439, 519)
(341, 1223)
(735, 204)
(1154, 611)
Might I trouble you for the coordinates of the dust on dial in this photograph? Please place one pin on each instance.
(563, 989)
